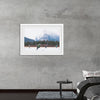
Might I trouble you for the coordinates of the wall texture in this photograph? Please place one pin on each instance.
(81, 19)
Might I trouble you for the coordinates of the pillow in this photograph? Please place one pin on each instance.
(78, 91)
(97, 73)
(90, 74)
(87, 74)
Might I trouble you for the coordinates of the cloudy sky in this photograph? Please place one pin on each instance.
(35, 31)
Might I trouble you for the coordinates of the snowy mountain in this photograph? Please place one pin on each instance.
(49, 37)
(28, 39)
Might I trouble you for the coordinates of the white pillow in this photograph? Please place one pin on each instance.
(78, 91)
(97, 73)
(77, 88)
(91, 74)
(87, 74)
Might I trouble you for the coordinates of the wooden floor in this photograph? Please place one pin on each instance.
(19, 94)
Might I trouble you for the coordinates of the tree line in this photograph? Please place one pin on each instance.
(35, 43)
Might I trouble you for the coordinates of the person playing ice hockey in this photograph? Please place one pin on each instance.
(38, 45)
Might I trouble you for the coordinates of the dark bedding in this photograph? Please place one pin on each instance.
(90, 87)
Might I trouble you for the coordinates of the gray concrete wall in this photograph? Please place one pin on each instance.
(81, 19)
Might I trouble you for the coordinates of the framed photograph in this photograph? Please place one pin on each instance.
(41, 39)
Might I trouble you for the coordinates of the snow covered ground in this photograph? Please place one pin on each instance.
(41, 51)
